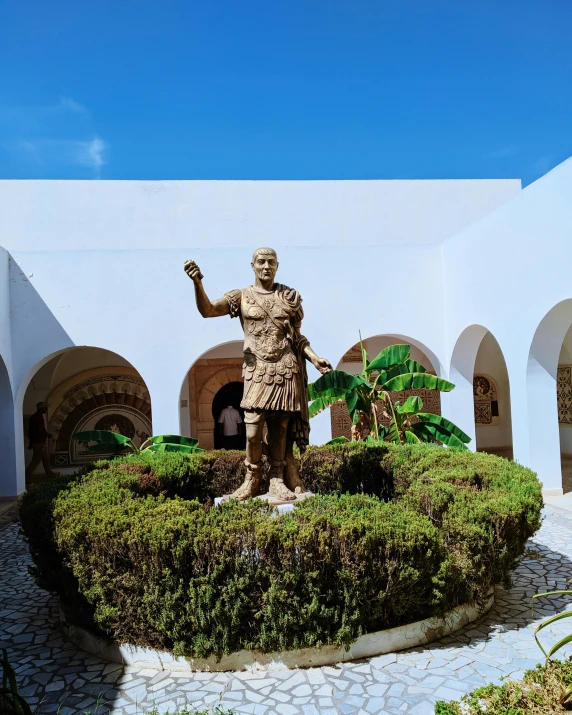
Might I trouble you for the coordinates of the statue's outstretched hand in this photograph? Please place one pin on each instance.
(193, 271)
(322, 365)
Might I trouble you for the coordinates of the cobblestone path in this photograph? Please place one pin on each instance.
(52, 671)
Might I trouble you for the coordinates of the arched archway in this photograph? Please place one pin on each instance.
(85, 388)
(352, 362)
(219, 366)
(549, 399)
(229, 394)
(480, 402)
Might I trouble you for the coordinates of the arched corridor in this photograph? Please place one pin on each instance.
(480, 403)
(491, 395)
(549, 393)
(83, 388)
(218, 367)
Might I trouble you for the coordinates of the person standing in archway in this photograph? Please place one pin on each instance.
(230, 423)
(37, 438)
(274, 371)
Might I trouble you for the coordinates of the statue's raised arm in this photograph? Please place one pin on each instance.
(207, 308)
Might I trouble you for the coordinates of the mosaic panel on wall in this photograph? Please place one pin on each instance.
(485, 396)
(564, 394)
(117, 402)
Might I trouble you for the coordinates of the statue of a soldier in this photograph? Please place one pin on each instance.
(274, 370)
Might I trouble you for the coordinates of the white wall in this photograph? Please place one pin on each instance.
(110, 215)
(506, 272)
(365, 255)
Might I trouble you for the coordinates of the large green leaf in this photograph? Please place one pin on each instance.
(364, 355)
(173, 439)
(402, 369)
(411, 437)
(322, 403)
(338, 440)
(102, 436)
(412, 405)
(102, 448)
(443, 422)
(166, 447)
(417, 381)
(391, 356)
(428, 432)
(335, 380)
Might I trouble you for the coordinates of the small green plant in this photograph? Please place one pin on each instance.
(538, 693)
(11, 702)
(369, 400)
(567, 692)
(113, 443)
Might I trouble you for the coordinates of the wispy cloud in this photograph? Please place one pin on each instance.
(54, 135)
(90, 153)
(504, 151)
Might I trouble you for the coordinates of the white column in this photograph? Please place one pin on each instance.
(12, 480)
(519, 410)
(543, 430)
(458, 406)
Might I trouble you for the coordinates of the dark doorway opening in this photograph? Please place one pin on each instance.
(229, 394)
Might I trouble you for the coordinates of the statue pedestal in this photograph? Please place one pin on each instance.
(283, 506)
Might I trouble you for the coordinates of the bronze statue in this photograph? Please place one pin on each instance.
(274, 370)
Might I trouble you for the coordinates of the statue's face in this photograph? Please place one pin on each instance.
(265, 267)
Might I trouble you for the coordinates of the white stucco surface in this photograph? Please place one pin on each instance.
(436, 263)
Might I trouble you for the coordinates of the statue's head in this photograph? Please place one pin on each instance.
(265, 264)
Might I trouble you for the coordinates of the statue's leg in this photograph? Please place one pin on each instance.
(254, 423)
(292, 471)
(277, 436)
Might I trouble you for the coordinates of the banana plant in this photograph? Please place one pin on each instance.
(11, 702)
(369, 399)
(566, 695)
(113, 443)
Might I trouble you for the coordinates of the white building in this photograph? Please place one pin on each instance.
(98, 317)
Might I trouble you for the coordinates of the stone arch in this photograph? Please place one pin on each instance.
(215, 368)
(351, 361)
(544, 392)
(82, 396)
(116, 395)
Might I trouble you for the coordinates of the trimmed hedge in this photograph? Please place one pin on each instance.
(396, 534)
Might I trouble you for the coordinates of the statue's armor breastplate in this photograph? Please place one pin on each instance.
(268, 354)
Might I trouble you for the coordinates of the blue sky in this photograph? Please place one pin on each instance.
(284, 89)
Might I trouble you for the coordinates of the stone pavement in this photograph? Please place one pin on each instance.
(52, 671)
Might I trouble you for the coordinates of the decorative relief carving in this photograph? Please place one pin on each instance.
(485, 395)
(564, 394)
(353, 354)
(117, 402)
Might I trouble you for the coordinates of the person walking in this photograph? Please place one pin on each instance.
(37, 437)
(231, 423)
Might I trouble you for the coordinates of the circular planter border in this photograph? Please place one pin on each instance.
(366, 646)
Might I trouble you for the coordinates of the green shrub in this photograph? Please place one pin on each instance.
(396, 534)
(538, 693)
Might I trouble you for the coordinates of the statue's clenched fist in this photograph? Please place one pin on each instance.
(193, 271)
